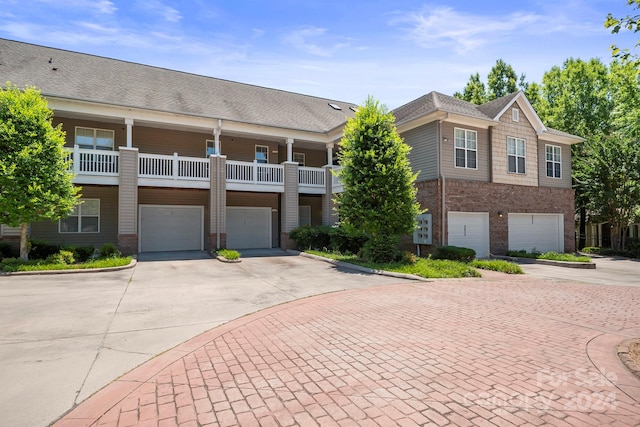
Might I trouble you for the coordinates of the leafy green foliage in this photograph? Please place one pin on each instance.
(553, 256)
(109, 250)
(16, 264)
(308, 236)
(33, 165)
(497, 265)
(62, 257)
(474, 92)
(630, 23)
(83, 253)
(379, 197)
(320, 237)
(7, 250)
(455, 253)
(382, 248)
(42, 250)
(229, 254)
(501, 80)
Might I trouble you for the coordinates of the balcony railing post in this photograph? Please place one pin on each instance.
(255, 171)
(76, 159)
(175, 166)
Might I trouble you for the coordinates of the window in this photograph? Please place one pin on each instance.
(515, 115)
(299, 157)
(94, 139)
(554, 161)
(262, 154)
(211, 147)
(466, 145)
(85, 218)
(516, 155)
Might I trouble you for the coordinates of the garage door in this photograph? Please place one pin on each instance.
(469, 230)
(171, 228)
(248, 228)
(540, 232)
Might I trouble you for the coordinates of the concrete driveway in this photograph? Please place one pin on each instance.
(63, 337)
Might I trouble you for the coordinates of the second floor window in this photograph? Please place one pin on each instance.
(554, 161)
(466, 148)
(94, 139)
(299, 157)
(516, 158)
(262, 154)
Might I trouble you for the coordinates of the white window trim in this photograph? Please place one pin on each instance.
(80, 220)
(213, 145)
(547, 161)
(466, 150)
(255, 152)
(524, 156)
(113, 136)
(303, 162)
(515, 115)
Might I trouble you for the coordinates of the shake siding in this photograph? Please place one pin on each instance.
(448, 154)
(423, 154)
(521, 129)
(176, 196)
(48, 230)
(565, 180)
(128, 192)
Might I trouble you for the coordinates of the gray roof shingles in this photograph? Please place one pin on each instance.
(435, 101)
(109, 81)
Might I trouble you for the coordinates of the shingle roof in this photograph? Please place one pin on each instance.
(435, 101)
(493, 108)
(92, 78)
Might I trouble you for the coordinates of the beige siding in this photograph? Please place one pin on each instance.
(176, 196)
(217, 194)
(423, 154)
(449, 168)
(290, 198)
(238, 198)
(521, 129)
(565, 180)
(128, 192)
(312, 158)
(243, 149)
(167, 141)
(69, 126)
(48, 230)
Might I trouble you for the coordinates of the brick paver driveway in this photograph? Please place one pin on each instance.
(501, 350)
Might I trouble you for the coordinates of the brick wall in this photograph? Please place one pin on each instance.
(470, 196)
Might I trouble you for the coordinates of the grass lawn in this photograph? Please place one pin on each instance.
(553, 256)
(428, 268)
(39, 265)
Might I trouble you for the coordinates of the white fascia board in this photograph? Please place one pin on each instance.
(166, 119)
(559, 139)
(528, 111)
(470, 121)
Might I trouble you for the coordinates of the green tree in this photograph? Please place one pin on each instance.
(34, 180)
(379, 197)
(474, 92)
(576, 99)
(629, 22)
(502, 80)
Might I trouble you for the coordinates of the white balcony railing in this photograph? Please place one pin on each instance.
(254, 173)
(172, 167)
(93, 162)
(312, 177)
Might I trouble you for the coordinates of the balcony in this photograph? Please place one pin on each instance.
(102, 167)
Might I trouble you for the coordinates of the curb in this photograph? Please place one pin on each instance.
(72, 271)
(230, 261)
(566, 264)
(358, 267)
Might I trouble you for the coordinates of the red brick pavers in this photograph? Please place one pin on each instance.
(502, 350)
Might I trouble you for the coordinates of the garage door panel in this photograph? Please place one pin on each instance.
(536, 232)
(469, 230)
(248, 227)
(171, 228)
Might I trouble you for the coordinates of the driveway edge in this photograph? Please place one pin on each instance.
(566, 264)
(72, 271)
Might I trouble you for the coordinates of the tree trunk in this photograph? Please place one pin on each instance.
(583, 228)
(24, 250)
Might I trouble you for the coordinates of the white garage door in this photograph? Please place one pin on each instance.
(171, 228)
(469, 230)
(539, 232)
(248, 228)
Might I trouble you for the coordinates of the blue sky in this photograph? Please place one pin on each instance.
(345, 50)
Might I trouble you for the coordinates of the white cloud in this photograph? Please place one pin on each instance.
(101, 6)
(166, 12)
(445, 27)
(308, 40)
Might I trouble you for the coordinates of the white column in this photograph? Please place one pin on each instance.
(129, 123)
(329, 154)
(216, 137)
(289, 149)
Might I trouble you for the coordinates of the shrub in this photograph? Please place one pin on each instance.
(591, 250)
(455, 253)
(83, 253)
(42, 250)
(522, 253)
(409, 258)
(8, 251)
(311, 237)
(229, 254)
(381, 249)
(62, 257)
(11, 264)
(497, 265)
(109, 250)
(347, 241)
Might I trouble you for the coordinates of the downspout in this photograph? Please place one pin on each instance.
(217, 145)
